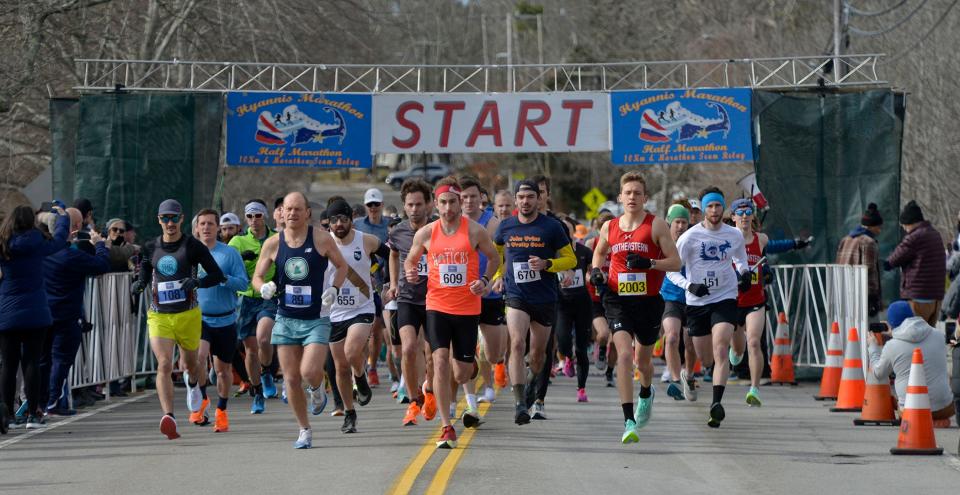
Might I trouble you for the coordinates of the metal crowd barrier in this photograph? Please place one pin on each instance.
(813, 297)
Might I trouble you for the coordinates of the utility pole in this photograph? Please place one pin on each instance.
(839, 31)
(483, 37)
(509, 19)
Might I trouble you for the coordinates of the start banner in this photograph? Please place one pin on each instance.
(490, 123)
(329, 130)
(680, 126)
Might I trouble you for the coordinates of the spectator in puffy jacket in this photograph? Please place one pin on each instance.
(923, 264)
(24, 312)
(65, 274)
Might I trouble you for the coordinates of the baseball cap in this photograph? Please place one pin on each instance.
(526, 185)
(695, 204)
(170, 207)
(373, 195)
(229, 218)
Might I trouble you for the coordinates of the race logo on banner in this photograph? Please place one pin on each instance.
(299, 130)
(679, 126)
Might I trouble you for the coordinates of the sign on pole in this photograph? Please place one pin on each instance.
(593, 199)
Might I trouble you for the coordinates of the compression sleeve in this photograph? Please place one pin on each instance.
(565, 261)
(678, 279)
(199, 254)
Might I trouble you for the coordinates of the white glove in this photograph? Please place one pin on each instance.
(268, 290)
(329, 296)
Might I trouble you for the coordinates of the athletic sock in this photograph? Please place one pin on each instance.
(519, 393)
(627, 410)
(472, 401)
(646, 392)
(203, 392)
(718, 393)
(222, 404)
(171, 415)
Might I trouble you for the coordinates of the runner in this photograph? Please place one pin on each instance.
(377, 225)
(229, 227)
(573, 320)
(706, 251)
(493, 323)
(641, 250)
(352, 314)
(453, 297)
(255, 324)
(411, 300)
(606, 353)
(528, 242)
(168, 265)
(751, 305)
(219, 323)
(674, 320)
(301, 333)
(503, 205)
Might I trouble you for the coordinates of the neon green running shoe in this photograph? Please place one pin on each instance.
(753, 397)
(629, 432)
(735, 358)
(644, 409)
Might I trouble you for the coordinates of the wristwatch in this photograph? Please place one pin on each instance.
(653, 263)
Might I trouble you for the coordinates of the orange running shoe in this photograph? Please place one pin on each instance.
(222, 423)
(500, 375)
(410, 419)
(199, 418)
(372, 378)
(244, 388)
(429, 406)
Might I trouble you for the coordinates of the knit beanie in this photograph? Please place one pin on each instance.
(897, 312)
(677, 211)
(871, 217)
(911, 214)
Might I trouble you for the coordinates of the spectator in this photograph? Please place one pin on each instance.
(860, 247)
(374, 223)
(119, 249)
(921, 258)
(696, 214)
(278, 214)
(951, 302)
(956, 240)
(65, 274)
(24, 313)
(229, 226)
(86, 209)
(131, 235)
(911, 332)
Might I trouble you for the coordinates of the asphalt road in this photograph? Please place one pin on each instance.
(790, 445)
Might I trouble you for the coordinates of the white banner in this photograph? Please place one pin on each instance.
(490, 123)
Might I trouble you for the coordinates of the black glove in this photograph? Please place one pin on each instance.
(744, 284)
(698, 290)
(887, 266)
(802, 243)
(767, 275)
(190, 284)
(136, 288)
(873, 306)
(637, 262)
(596, 278)
(248, 256)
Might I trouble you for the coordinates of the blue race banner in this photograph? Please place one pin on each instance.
(680, 126)
(299, 130)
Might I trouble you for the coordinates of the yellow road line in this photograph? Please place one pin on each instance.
(445, 471)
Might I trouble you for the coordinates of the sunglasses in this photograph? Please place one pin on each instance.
(742, 212)
(325, 226)
(169, 218)
(254, 215)
(374, 205)
(118, 231)
(340, 219)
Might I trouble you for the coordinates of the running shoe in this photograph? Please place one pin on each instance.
(636, 374)
(568, 368)
(429, 405)
(318, 399)
(673, 390)
(194, 398)
(349, 422)
(582, 395)
(539, 411)
(470, 418)
(22, 412)
(212, 376)
(269, 387)
(708, 374)
(735, 358)
(753, 397)
(258, 404)
(601, 363)
(168, 426)
(305, 440)
(666, 377)
(689, 386)
(242, 389)
(410, 418)
(35, 422)
(402, 395)
(609, 376)
(283, 395)
(199, 417)
(372, 378)
(337, 412)
(522, 415)
(361, 390)
(500, 375)
(394, 385)
(716, 415)
(530, 391)
(488, 395)
(448, 438)
(61, 411)
(221, 422)
(644, 409)
(629, 432)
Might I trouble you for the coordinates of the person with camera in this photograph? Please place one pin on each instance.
(120, 251)
(24, 313)
(65, 274)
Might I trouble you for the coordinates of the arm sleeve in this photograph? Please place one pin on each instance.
(499, 272)
(199, 254)
(775, 246)
(237, 274)
(678, 279)
(146, 262)
(565, 260)
(740, 257)
(383, 251)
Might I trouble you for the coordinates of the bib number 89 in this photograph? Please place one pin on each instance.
(296, 300)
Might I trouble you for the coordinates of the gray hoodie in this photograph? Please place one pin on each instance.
(897, 355)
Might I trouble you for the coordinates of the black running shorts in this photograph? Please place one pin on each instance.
(701, 319)
(457, 331)
(638, 315)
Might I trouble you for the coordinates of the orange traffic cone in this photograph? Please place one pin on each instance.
(852, 387)
(781, 363)
(830, 381)
(878, 408)
(916, 428)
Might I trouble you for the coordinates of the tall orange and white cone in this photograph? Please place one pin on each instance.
(781, 362)
(878, 408)
(830, 381)
(852, 386)
(916, 425)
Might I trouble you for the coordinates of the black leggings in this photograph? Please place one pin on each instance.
(574, 328)
(21, 348)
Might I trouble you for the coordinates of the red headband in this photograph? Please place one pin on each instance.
(446, 188)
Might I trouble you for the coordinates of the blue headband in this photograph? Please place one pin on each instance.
(712, 197)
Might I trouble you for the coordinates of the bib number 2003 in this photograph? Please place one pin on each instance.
(632, 284)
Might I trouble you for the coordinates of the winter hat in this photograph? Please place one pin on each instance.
(871, 217)
(897, 312)
(911, 214)
(677, 211)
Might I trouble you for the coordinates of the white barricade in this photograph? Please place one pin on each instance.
(108, 352)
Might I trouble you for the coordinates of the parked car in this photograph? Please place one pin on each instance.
(432, 173)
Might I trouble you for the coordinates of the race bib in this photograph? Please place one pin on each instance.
(577, 279)
(711, 280)
(348, 297)
(296, 296)
(754, 278)
(171, 292)
(422, 266)
(523, 274)
(453, 275)
(632, 284)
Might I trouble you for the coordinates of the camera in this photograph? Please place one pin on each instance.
(878, 327)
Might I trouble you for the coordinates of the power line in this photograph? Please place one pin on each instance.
(864, 13)
(895, 25)
(926, 35)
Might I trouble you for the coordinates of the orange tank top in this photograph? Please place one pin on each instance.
(454, 264)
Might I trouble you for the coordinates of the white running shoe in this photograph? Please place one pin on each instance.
(194, 398)
(305, 440)
(318, 399)
(538, 411)
(488, 395)
(688, 385)
(665, 377)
